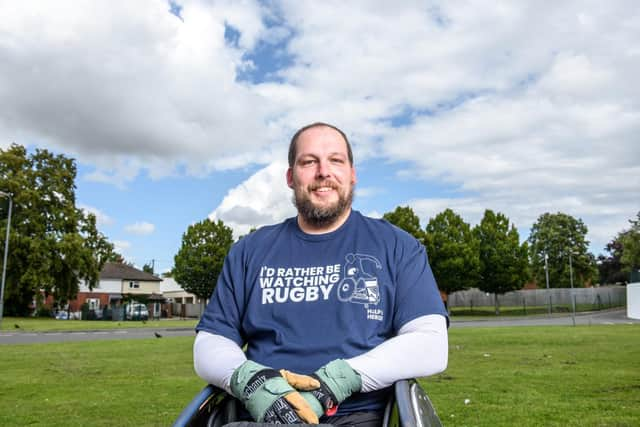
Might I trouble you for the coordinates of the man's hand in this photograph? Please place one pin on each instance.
(269, 398)
(335, 382)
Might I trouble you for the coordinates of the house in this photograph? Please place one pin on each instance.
(118, 284)
(180, 302)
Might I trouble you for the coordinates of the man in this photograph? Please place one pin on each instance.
(343, 305)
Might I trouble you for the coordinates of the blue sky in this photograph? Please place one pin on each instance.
(177, 111)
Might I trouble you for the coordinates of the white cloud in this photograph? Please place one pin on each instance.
(262, 199)
(102, 219)
(519, 107)
(121, 246)
(140, 228)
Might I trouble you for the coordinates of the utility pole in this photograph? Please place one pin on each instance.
(546, 274)
(573, 299)
(6, 251)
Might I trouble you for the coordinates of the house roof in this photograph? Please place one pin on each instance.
(116, 270)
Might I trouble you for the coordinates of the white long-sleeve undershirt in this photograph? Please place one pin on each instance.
(420, 349)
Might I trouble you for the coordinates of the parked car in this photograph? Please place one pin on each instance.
(62, 315)
(136, 311)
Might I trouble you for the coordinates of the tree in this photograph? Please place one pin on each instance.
(557, 236)
(630, 241)
(503, 260)
(405, 218)
(453, 252)
(148, 268)
(53, 244)
(610, 268)
(199, 261)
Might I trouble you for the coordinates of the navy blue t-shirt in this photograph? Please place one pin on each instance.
(300, 301)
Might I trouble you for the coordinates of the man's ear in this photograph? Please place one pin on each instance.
(290, 177)
(354, 178)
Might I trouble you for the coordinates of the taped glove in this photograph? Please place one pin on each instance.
(268, 397)
(337, 381)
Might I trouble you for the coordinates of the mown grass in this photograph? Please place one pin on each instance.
(490, 311)
(524, 376)
(44, 324)
(540, 376)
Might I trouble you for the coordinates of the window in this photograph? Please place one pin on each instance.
(134, 285)
(94, 303)
(188, 300)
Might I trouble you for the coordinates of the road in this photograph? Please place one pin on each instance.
(608, 317)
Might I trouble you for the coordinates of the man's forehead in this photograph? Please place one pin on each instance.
(321, 137)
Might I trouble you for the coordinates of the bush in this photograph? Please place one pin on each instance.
(44, 312)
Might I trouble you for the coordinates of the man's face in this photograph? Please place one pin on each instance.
(321, 177)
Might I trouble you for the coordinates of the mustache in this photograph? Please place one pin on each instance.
(321, 184)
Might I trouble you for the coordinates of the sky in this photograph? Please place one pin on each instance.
(176, 111)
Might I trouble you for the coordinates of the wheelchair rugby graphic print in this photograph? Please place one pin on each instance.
(359, 284)
(355, 282)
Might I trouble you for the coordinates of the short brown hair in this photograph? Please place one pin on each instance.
(293, 149)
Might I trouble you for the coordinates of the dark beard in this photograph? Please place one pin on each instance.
(321, 216)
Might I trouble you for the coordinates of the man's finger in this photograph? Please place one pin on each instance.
(300, 382)
(302, 408)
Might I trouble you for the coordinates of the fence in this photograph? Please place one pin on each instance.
(186, 310)
(598, 298)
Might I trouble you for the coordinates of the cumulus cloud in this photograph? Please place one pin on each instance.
(262, 199)
(518, 107)
(121, 246)
(102, 219)
(140, 228)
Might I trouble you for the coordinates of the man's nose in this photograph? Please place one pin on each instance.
(324, 170)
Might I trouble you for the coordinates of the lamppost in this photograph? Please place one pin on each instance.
(546, 274)
(6, 251)
(573, 299)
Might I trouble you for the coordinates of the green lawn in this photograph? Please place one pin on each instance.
(490, 311)
(533, 376)
(44, 324)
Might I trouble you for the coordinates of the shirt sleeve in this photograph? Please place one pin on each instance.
(416, 289)
(223, 315)
(215, 358)
(420, 349)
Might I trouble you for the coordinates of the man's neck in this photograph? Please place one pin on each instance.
(323, 229)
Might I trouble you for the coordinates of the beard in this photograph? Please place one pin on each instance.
(321, 216)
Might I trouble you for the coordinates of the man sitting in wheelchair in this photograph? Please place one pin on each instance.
(332, 306)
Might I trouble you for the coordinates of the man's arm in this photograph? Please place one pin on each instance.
(215, 358)
(420, 349)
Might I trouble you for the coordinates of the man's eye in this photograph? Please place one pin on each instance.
(307, 162)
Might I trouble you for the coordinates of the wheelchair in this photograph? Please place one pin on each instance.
(408, 406)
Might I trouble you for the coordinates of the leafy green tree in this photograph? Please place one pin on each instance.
(199, 261)
(148, 268)
(630, 241)
(53, 243)
(610, 267)
(504, 261)
(405, 218)
(453, 252)
(557, 236)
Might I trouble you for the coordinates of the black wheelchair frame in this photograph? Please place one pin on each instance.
(409, 406)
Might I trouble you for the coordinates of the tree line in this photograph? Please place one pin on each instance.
(54, 244)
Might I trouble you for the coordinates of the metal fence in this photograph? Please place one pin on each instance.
(598, 298)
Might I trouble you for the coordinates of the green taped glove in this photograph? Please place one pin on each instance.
(337, 381)
(268, 397)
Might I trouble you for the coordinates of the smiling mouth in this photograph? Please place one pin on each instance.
(323, 189)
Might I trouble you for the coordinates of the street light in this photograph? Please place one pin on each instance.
(573, 298)
(546, 274)
(6, 251)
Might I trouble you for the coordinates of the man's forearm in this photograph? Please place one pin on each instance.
(215, 358)
(420, 349)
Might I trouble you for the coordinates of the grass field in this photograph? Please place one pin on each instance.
(533, 376)
(43, 324)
